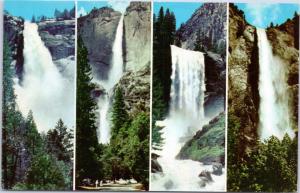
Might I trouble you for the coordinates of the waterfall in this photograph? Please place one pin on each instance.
(114, 75)
(274, 111)
(186, 117)
(43, 90)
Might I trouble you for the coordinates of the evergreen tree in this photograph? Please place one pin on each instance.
(164, 36)
(33, 20)
(119, 114)
(87, 147)
(72, 12)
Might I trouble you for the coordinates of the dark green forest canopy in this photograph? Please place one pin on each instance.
(164, 28)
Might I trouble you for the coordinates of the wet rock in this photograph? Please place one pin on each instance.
(169, 184)
(155, 166)
(205, 176)
(217, 169)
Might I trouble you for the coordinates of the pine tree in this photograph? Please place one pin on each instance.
(119, 114)
(87, 147)
(33, 20)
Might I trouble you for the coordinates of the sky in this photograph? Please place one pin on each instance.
(27, 9)
(84, 7)
(182, 11)
(261, 15)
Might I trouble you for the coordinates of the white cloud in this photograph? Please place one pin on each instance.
(119, 5)
(81, 12)
(262, 13)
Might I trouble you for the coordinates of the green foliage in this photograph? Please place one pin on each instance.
(45, 173)
(208, 144)
(87, 147)
(119, 115)
(127, 154)
(271, 166)
(163, 37)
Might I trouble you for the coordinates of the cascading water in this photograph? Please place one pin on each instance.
(274, 112)
(115, 73)
(43, 90)
(186, 116)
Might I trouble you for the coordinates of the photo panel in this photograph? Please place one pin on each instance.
(113, 95)
(188, 96)
(263, 97)
(38, 113)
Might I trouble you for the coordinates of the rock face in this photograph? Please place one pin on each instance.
(59, 37)
(97, 30)
(155, 166)
(13, 32)
(137, 26)
(208, 144)
(243, 95)
(207, 24)
(136, 90)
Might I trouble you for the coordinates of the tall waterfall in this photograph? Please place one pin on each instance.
(186, 116)
(274, 111)
(115, 73)
(43, 90)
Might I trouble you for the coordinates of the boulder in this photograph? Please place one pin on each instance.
(217, 169)
(205, 176)
(155, 166)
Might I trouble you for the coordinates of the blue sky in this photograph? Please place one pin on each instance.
(27, 9)
(182, 10)
(84, 7)
(261, 15)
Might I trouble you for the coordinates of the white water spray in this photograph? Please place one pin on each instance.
(274, 112)
(186, 117)
(43, 90)
(114, 75)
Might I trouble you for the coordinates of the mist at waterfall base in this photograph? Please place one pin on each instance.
(274, 111)
(186, 117)
(43, 90)
(114, 75)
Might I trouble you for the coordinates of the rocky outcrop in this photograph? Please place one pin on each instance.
(136, 90)
(137, 32)
(207, 26)
(59, 37)
(286, 48)
(155, 166)
(215, 81)
(208, 144)
(13, 32)
(243, 95)
(97, 30)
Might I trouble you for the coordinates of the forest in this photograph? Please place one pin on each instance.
(127, 154)
(270, 167)
(32, 160)
(164, 29)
